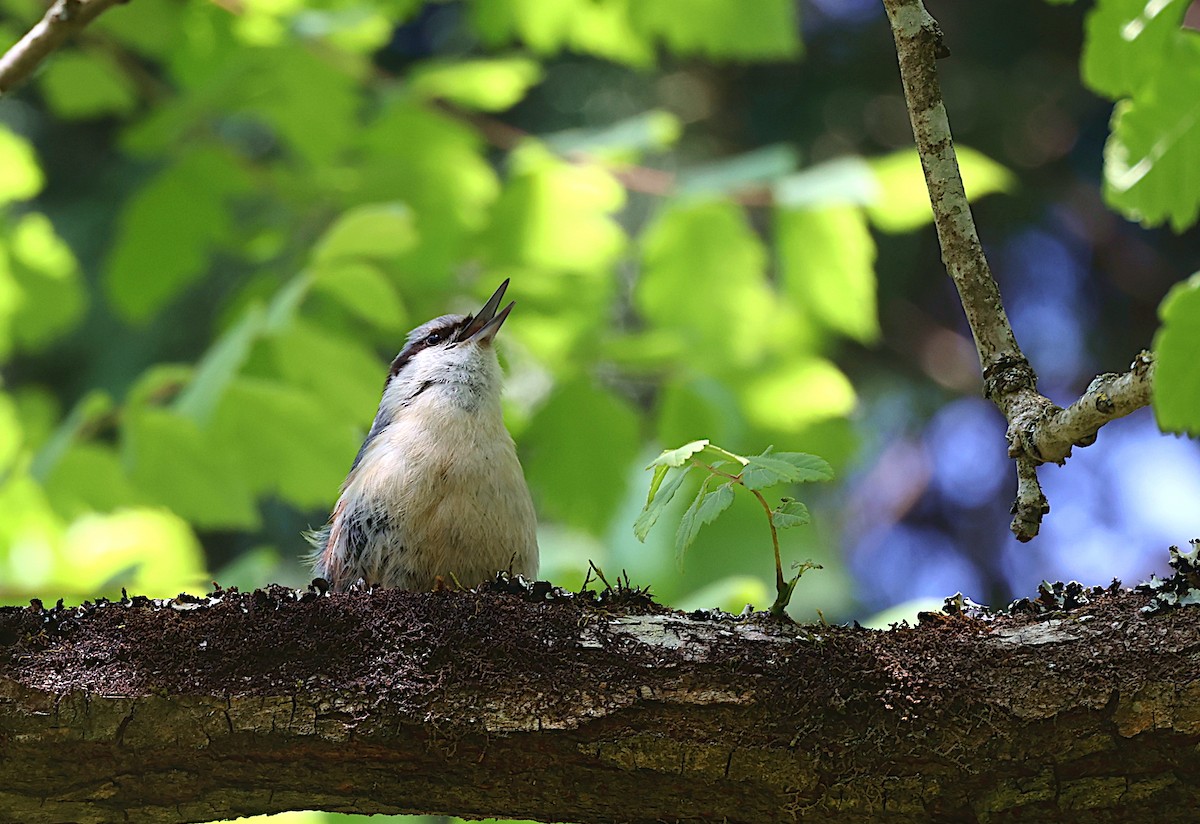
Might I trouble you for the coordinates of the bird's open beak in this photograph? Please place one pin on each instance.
(484, 325)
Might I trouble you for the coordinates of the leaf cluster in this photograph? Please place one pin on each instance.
(723, 470)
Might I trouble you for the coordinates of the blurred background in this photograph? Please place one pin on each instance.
(219, 218)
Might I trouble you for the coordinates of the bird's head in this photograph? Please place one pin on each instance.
(450, 357)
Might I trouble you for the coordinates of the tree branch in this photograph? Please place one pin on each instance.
(1038, 431)
(557, 707)
(63, 19)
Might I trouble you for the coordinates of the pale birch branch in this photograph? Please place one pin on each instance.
(1038, 431)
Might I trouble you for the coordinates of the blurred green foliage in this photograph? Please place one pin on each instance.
(279, 208)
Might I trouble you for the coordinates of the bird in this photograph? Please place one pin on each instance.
(436, 494)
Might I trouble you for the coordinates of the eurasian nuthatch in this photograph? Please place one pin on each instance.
(436, 489)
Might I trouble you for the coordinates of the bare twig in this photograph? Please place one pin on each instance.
(63, 19)
(1038, 431)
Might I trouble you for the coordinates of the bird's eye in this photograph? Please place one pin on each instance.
(434, 339)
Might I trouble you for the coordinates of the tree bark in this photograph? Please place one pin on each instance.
(559, 707)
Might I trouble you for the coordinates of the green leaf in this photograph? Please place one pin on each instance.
(548, 26)
(704, 275)
(600, 433)
(1130, 44)
(53, 296)
(773, 468)
(903, 203)
(1154, 145)
(796, 394)
(489, 85)
(219, 366)
(556, 215)
(658, 500)
(11, 434)
(20, 175)
(379, 230)
(827, 259)
(341, 371)
(89, 477)
(704, 509)
(811, 467)
(789, 513)
(168, 230)
(680, 456)
(284, 441)
(150, 551)
(746, 30)
(285, 85)
(1176, 397)
(174, 465)
(87, 410)
(79, 86)
(440, 171)
(362, 288)
(700, 404)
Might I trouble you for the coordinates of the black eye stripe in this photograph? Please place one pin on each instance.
(445, 330)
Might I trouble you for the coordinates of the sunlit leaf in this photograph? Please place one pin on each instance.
(173, 464)
(10, 432)
(151, 552)
(86, 411)
(556, 215)
(548, 26)
(490, 85)
(89, 477)
(1177, 377)
(796, 394)
(53, 297)
(903, 203)
(362, 289)
(1131, 44)
(377, 230)
(284, 86)
(1154, 147)
(680, 456)
(748, 29)
(20, 175)
(439, 170)
(827, 258)
(338, 370)
(703, 277)
(284, 441)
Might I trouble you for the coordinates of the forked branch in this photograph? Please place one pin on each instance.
(1038, 431)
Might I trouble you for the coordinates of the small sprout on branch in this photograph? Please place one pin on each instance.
(725, 470)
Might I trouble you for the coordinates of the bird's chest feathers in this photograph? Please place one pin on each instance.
(429, 455)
